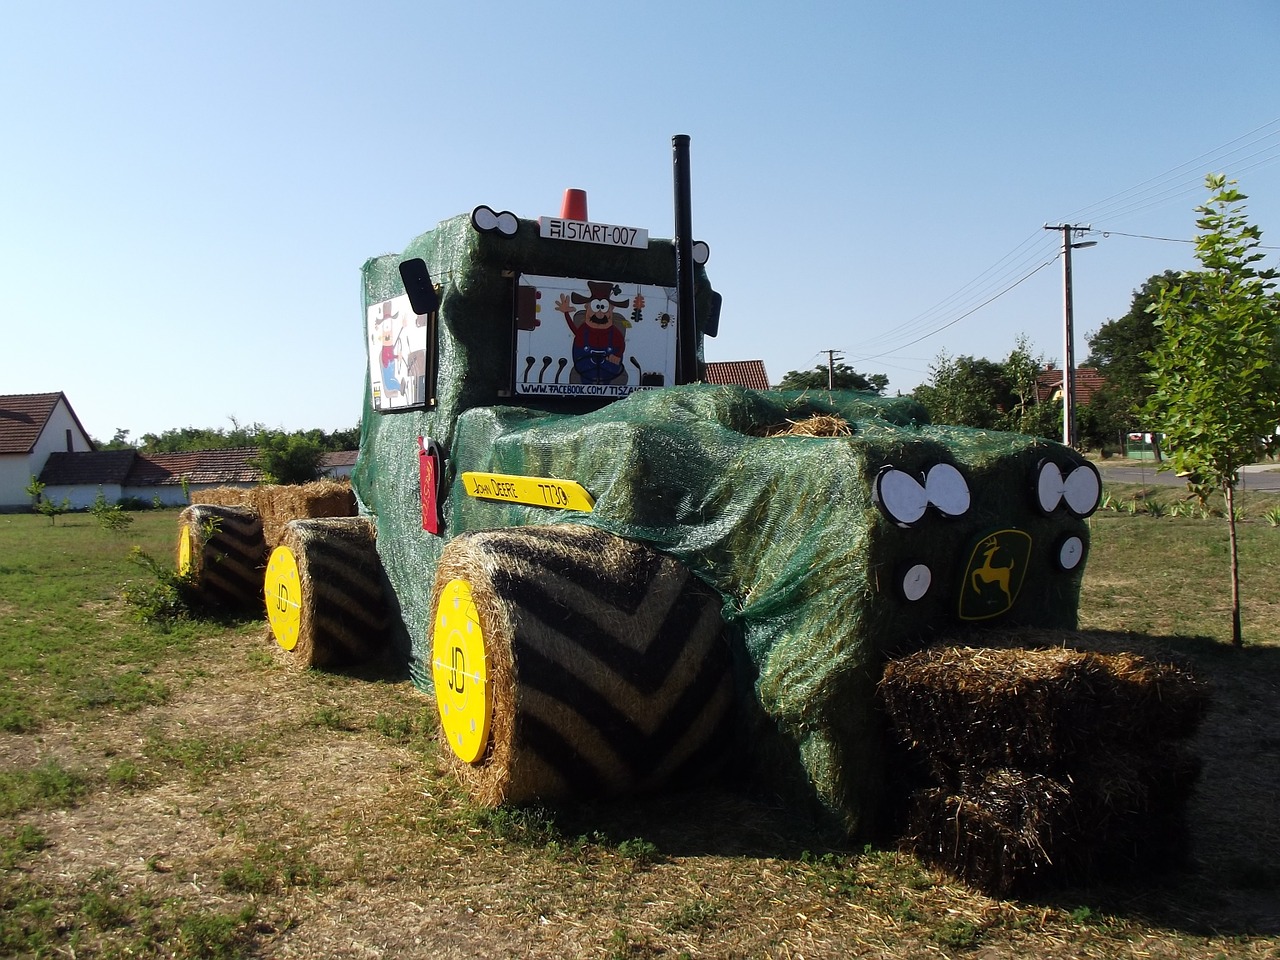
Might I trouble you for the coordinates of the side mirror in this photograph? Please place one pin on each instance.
(417, 284)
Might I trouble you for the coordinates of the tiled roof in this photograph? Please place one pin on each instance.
(22, 417)
(340, 458)
(132, 469)
(196, 466)
(1088, 381)
(744, 373)
(87, 469)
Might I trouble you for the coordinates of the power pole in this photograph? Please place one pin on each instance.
(1069, 346)
(832, 357)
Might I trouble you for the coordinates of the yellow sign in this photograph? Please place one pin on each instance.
(460, 672)
(531, 491)
(993, 577)
(283, 593)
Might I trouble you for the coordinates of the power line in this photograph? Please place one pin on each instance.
(1263, 142)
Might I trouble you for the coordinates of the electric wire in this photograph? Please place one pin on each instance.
(1263, 144)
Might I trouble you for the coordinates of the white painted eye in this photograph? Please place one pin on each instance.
(506, 223)
(1049, 486)
(486, 219)
(946, 489)
(1070, 552)
(900, 496)
(916, 582)
(1083, 490)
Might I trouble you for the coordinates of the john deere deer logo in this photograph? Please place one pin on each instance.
(994, 574)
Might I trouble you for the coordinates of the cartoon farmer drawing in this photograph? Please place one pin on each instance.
(384, 341)
(599, 333)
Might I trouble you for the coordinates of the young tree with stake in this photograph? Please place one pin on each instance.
(1215, 369)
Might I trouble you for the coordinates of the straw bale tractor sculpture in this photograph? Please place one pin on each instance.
(614, 577)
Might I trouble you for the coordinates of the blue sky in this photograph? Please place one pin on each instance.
(189, 190)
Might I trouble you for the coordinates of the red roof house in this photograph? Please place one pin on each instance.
(744, 373)
(1088, 381)
(32, 427)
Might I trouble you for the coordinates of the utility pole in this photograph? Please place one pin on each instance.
(832, 357)
(1069, 346)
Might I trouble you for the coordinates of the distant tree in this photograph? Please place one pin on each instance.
(965, 391)
(841, 376)
(119, 441)
(1215, 369)
(199, 438)
(43, 505)
(1027, 414)
(348, 439)
(288, 457)
(1121, 349)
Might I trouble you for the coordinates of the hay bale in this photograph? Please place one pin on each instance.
(221, 550)
(337, 613)
(279, 504)
(243, 497)
(998, 835)
(1034, 709)
(1045, 765)
(1006, 831)
(607, 667)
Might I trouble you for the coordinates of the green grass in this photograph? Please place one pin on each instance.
(68, 647)
(1170, 575)
(189, 794)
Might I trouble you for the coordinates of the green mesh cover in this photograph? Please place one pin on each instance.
(785, 528)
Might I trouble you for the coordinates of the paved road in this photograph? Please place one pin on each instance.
(1261, 477)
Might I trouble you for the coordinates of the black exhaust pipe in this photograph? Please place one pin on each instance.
(687, 370)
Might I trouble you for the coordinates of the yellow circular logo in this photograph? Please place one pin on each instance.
(283, 594)
(460, 672)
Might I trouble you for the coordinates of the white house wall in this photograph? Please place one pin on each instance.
(82, 497)
(17, 470)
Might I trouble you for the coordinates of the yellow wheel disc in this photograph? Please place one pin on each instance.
(460, 672)
(283, 593)
(184, 551)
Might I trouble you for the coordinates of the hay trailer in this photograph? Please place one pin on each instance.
(614, 577)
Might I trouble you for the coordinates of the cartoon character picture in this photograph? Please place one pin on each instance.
(386, 329)
(599, 332)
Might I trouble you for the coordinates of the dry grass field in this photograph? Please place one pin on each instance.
(189, 793)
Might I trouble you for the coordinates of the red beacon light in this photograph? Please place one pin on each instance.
(574, 206)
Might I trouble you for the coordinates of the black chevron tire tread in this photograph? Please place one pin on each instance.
(227, 553)
(609, 664)
(343, 609)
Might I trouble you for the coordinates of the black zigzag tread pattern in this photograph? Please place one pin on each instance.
(344, 607)
(231, 554)
(622, 669)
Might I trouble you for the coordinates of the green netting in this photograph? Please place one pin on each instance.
(784, 527)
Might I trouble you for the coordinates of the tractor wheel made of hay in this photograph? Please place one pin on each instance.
(571, 663)
(221, 550)
(323, 592)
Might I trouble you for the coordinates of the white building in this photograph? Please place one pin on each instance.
(33, 426)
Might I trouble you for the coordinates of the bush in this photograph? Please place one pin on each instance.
(164, 598)
(109, 516)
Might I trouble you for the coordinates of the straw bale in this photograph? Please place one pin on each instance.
(608, 665)
(227, 555)
(999, 835)
(344, 616)
(226, 497)
(1035, 709)
(1005, 830)
(817, 425)
(278, 504)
